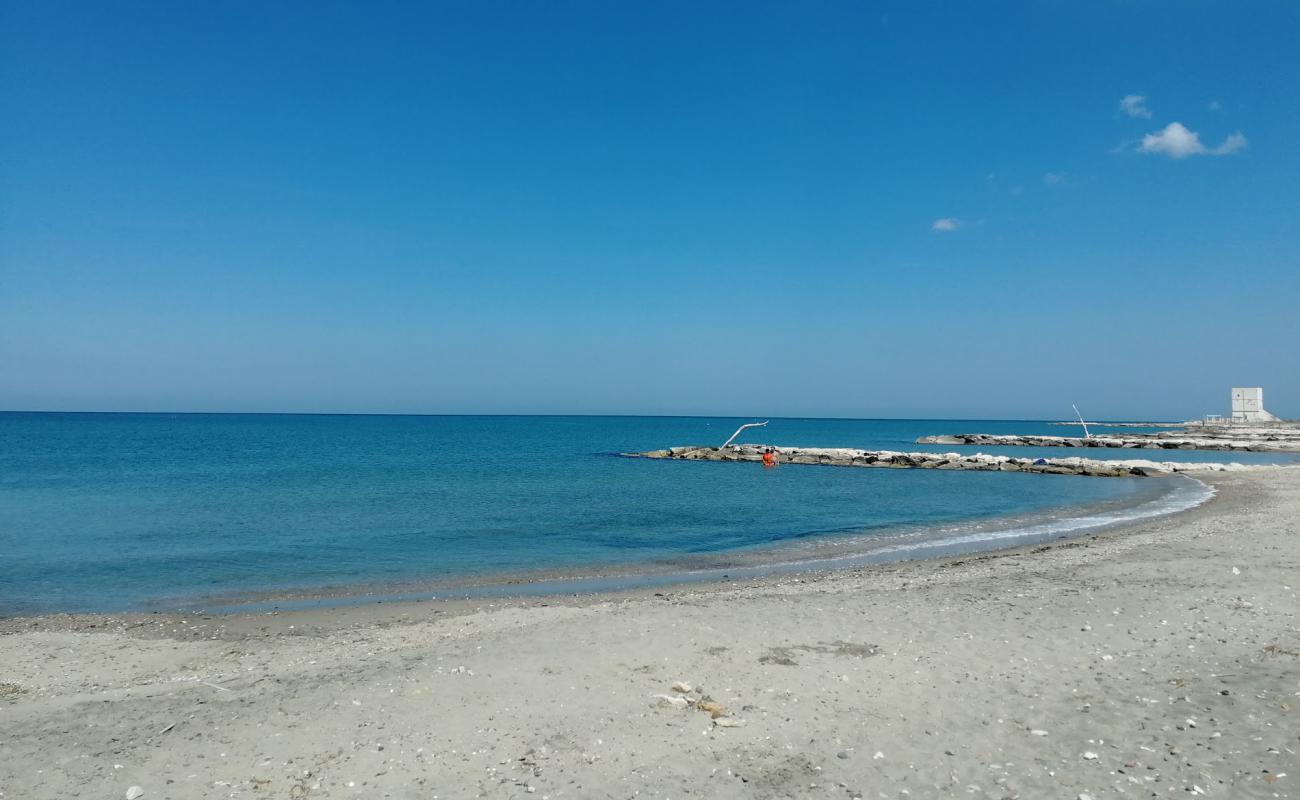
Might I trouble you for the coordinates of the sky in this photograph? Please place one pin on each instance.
(982, 210)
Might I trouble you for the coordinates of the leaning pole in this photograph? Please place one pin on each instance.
(741, 428)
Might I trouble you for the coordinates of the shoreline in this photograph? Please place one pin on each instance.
(371, 602)
(1160, 657)
(807, 552)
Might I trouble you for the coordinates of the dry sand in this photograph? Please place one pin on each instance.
(1158, 661)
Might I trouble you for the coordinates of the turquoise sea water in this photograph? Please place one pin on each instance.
(147, 511)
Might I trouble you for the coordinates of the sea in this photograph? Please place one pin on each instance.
(158, 512)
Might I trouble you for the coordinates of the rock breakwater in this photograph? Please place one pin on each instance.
(1159, 442)
(889, 459)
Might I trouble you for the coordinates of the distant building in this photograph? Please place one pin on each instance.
(1248, 406)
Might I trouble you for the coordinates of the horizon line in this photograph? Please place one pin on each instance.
(565, 414)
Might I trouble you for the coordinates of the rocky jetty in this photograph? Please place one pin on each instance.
(1280, 443)
(1076, 424)
(889, 459)
(1276, 432)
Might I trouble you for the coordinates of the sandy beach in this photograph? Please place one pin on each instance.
(1162, 660)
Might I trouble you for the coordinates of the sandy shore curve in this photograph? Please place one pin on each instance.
(1162, 659)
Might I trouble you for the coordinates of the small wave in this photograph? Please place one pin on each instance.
(1187, 493)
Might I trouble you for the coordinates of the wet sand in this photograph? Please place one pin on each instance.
(1158, 660)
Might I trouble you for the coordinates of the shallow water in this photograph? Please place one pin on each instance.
(135, 511)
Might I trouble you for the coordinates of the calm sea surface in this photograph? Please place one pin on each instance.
(137, 511)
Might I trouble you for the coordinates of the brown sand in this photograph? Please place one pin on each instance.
(1158, 661)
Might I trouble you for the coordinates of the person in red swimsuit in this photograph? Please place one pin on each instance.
(769, 458)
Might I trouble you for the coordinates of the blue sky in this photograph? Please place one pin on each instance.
(838, 209)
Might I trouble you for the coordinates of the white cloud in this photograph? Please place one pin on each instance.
(1054, 178)
(946, 224)
(1135, 105)
(1176, 141)
(1232, 144)
(1215, 105)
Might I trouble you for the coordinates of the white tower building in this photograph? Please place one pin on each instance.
(1248, 406)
